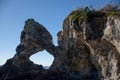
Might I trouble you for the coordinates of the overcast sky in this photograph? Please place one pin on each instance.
(49, 13)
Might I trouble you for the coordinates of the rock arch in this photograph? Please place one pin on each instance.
(42, 58)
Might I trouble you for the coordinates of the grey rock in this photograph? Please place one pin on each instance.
(87, 50)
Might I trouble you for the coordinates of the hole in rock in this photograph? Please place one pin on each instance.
(42, 58)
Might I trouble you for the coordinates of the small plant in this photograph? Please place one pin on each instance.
(111, 10)
(80, 15)
(86, 15)
(113, 13)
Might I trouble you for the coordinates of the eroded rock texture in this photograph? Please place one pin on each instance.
(87, 50)
(34, 38)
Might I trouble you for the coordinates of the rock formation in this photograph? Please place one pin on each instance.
(88, 49)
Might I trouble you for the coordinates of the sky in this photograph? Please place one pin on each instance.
(50, 13)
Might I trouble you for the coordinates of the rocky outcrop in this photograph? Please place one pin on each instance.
(34, 38)
(88, 49)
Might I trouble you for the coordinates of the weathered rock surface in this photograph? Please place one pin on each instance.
(87, 50)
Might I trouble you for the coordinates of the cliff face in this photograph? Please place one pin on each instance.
(88, 49)
(91, 47)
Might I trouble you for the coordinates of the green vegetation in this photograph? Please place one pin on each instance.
(86, 15)
(111, 10)
(80, 15)
(113, 13)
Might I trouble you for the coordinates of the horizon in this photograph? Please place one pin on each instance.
(48, 13)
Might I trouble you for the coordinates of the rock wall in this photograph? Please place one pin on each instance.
(86, 51)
